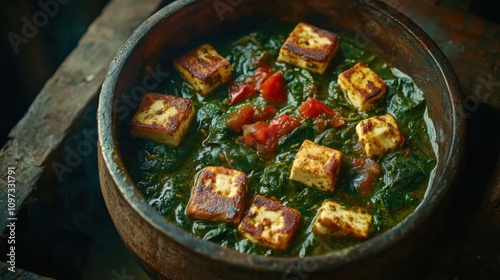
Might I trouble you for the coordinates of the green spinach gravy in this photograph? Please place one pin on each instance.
(165, 175)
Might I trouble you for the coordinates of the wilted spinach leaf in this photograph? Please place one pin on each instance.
(274, 179)
(207, 113)
(402, 174)
(300, 83)
(240, 157)
(402, 94)
(218, 130)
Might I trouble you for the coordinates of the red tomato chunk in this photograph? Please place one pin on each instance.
(313, 108)
(242, 90)
(284, 124)
(264, 113)
(241, 117)
(239, 91)
(264, 136)
(248, 114)
(274, 89)
(368, 170)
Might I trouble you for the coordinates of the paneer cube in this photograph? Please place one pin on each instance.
(335, 220)
(379, 134)
(316, 166)
(309, 47)
(362, 86)
(269, 224)
(203, 68)
(218, 195)
(162, 118)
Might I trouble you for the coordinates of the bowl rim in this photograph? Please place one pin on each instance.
(365, 249)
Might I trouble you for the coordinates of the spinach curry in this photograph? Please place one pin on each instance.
(165, 175)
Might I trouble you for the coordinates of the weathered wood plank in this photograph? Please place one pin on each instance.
(64, 97)
(471, 44)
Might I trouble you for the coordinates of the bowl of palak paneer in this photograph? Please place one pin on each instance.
(257, 140)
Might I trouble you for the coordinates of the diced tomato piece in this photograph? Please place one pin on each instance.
(267, 148)
(260, 75)
(248, 114)
(242, 90)
(239, 91)
(372, 166)
(274, 88)
(258, 131)
(264, 136)
(313, 108)
(358, 163)
(368, 170)
(241, 117)
(308, 110)
(264, 113)
(284, 124)
(366, 183)
(259, 135)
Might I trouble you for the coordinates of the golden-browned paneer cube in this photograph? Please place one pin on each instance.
(203, 68)
(379, 134)
(309, 47)
(269, 224)
(362, 86)
(335, 220)
(162, 118)
(316, 166)
(218, 195)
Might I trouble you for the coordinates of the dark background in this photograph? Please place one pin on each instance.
(66, 232)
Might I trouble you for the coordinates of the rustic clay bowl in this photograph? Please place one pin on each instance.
(167, 251)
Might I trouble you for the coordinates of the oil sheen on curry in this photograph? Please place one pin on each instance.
(289, 140)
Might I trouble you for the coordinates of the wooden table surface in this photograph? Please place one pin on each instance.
(468, 246)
